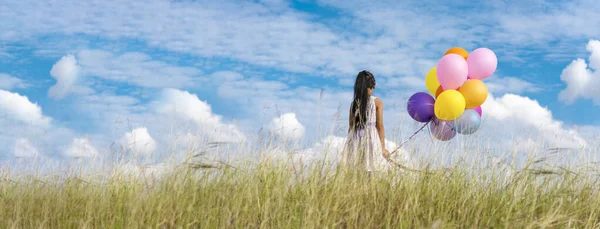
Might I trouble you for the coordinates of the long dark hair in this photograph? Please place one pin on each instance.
(364, 81)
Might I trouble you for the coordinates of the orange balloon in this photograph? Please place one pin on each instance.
(439, 91)
(475, 93)
(458, 50)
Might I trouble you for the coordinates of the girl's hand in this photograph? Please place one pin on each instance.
(386, 153)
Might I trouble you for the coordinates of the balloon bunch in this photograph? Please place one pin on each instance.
(456, 83)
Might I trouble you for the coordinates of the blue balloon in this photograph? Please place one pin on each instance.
(468, 123)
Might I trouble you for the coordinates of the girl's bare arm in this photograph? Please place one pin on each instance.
(380, 128)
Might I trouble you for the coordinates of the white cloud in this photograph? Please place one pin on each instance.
(406, 82)
(287, 127)
(187, 106)
(594, 48)
(139, 142)
(583, 82)
(24, 148)
(544, 22)
(181, 113)
(110, 108)
(81, 148)
(19, 108)
(4, 54)
(275, 4)
(244, 87)
(66, 72)
(8, 82)
(226, 76)
(329, 148)
(517, 111)
(27, 132)
(135, 68)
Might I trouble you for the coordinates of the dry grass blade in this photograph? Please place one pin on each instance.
(403, 167)
(203, 166)
(543, 172)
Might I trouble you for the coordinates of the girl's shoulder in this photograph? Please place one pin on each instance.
(377, 101)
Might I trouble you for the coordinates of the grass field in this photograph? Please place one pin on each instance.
(272, 194)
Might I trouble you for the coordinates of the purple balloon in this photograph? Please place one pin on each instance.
(442, 130)
(420, 107)
(478, 109)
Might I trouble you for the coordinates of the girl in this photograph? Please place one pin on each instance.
(366, 136)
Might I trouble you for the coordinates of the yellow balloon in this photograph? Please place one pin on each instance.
(431, 81)
(449, 105)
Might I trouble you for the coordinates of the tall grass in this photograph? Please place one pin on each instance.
(272, 194)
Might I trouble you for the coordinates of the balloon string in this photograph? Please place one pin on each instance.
(389, 159)
(409, 138)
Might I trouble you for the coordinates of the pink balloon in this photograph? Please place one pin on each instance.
(482, 63)
(478, 109)
(452, 71)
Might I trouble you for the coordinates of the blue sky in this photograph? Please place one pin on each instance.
(138, 73)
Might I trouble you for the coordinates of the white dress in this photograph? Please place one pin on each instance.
(363, 147)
